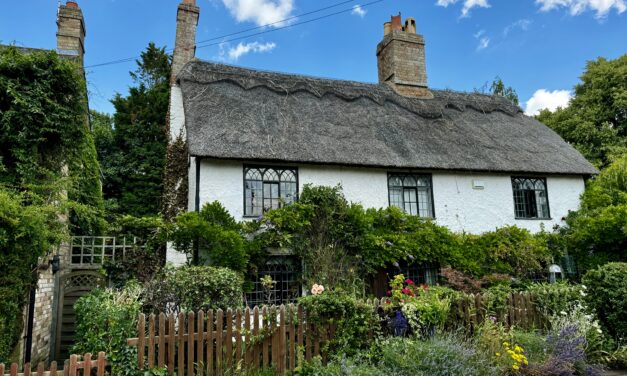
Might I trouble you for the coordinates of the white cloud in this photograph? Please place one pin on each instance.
(522, 24)
(359, 11)
(468, 5)
(479, 33)
(576, 7)
(261, 12)
(484, 42)
(241, 49)
(550, 100)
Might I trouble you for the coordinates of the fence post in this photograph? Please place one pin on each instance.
(141, 326)
(73, 365)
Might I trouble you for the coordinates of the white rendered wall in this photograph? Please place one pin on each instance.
(457, 205)
(177, 114)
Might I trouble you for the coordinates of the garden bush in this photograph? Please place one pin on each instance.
(553, 298)
(105, 319)
(607, 296)
(354, 319)
(192, 288)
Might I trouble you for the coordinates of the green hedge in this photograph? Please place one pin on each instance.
(607, 295)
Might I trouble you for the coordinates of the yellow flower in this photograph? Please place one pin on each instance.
(515, 366)
(505, 344)
(498, 354)
(518, 349)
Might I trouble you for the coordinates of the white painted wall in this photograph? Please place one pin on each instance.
(177, 114)
(457, 205)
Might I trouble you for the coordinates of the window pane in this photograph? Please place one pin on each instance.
(288, 175)
(530, 198)
(395, 181)
(270, 175)
(424, 203)
(409, 181)
(409, 197)
(396, 198)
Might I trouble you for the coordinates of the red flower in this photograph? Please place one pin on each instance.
(388, 301)
(389, 292)
(406, 291)
(409, 281)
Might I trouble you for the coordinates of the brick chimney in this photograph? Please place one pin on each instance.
(401, 59)
(71, 31)
(185, 44)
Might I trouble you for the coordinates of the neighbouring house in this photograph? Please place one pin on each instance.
(49, 316)
(471, 162)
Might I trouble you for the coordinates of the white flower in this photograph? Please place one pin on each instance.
(584, 287)
(563, 313)
(600, 331)
(317, 289)
(582, 293)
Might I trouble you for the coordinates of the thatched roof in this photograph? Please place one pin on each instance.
(236, 113)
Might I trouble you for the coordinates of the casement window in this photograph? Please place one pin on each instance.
(267, 188)
(411, 193)
(531, 199)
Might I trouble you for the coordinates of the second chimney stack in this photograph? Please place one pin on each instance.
(401, 59)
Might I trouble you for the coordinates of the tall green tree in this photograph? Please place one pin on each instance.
(132, 145)
(595, 121)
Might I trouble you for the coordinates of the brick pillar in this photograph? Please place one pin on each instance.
(185, 44)
(401, 59)
(71, 31)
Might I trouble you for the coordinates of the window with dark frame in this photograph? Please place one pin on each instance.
(411, 193)
(530, 198)
(267, 188)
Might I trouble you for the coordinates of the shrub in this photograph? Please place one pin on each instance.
(105, 319)
(338, 367)
(211, 236)
(607, 289)
(354, 319)
(553, 298)
(441, 355)
(192, 288)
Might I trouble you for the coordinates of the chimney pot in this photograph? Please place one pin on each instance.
(410, 25)
(396, 22)
(387, 28)
(71, 4)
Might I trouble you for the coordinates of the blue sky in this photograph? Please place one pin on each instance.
(539, 47)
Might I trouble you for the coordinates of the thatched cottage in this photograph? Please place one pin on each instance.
(470, 161)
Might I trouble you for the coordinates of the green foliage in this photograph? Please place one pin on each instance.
(354, 319)
(499, 88)
(29, 229)
(133, 152)
(551, 299)
(192, 288)
(607, 289)
(105, 319)
(595, 121)
(597, 233)
(212, 234)
(507, 250)
(45, 143)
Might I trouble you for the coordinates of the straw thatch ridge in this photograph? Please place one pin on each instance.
(237, 113)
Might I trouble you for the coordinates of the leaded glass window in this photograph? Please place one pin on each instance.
(530, 198)
(411, 193)
(267, 188)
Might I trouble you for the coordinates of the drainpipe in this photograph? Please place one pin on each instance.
(28, 346)
(197, 161)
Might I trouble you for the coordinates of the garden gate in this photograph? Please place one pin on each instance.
(72, 286)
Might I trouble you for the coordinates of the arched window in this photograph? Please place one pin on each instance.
(531, 200)
(267, 188)
(411, 193)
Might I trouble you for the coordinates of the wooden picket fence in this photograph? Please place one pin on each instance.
(71, 367)
(521, 311)
(214, 342)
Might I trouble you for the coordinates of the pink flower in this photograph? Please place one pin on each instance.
(317, 289)
(406, 291)
(389, 293)
(409, 281)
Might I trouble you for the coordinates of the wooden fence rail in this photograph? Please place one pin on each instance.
(71, 367)
(210, 343)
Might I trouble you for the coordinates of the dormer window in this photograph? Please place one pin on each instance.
(411, 193)
(267, 188)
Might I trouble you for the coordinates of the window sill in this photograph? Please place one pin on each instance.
(533, 219)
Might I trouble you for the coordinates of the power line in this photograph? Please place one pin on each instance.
(287, 26)
(198, 45)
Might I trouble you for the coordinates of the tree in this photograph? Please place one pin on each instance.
(595, 121)
(597, 233)
(132, 149)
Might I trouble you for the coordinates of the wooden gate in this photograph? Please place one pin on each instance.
(72, 286)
